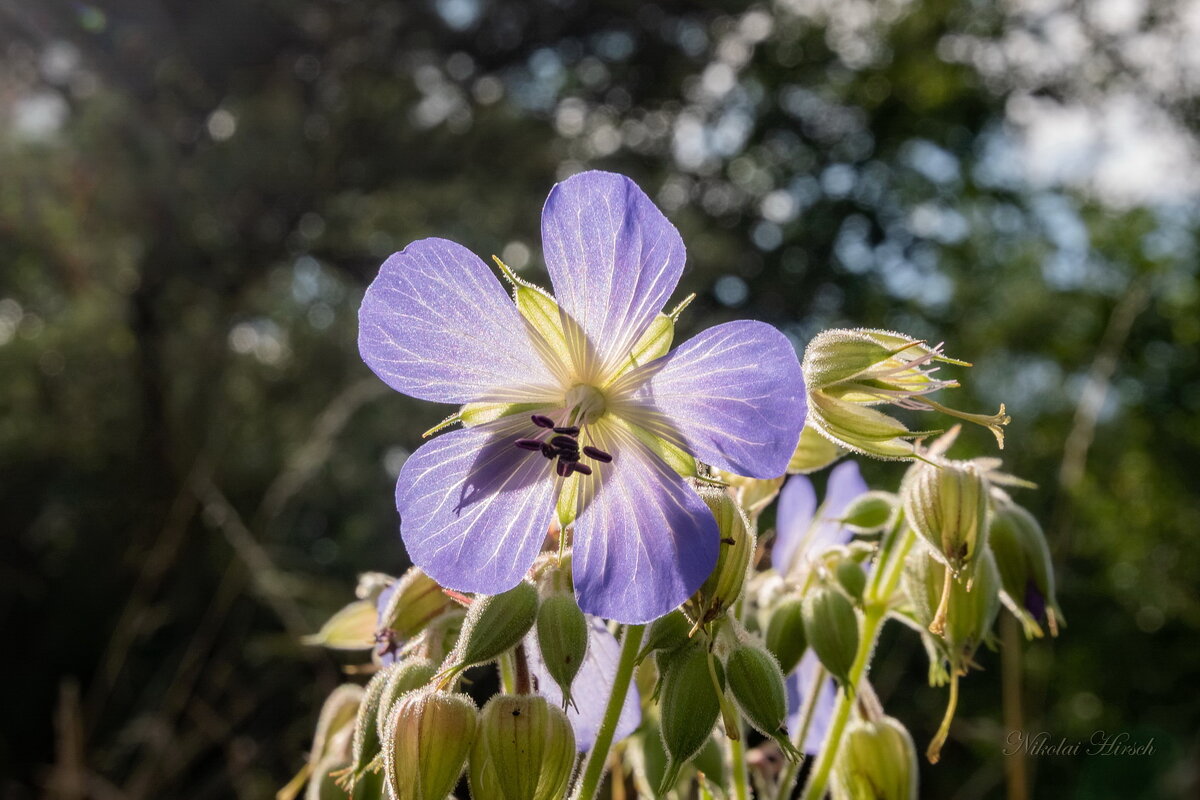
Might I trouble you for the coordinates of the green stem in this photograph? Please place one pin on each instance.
(508, 674)
(741, 779)
(593, 771)
(874, 615)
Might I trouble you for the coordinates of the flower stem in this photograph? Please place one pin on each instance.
(741, 779)
(593, 771)
(934, 752)
(874, 615)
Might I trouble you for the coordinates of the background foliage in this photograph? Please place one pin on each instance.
(194, 464)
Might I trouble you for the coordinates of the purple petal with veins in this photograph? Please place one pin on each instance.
(591, 688)
(475, 509)
(614, 260)
(799, 685)
(645, 541)
(799, 535)
(437, 325)
(797, 504)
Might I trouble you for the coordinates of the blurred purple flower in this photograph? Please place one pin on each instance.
(802, 532)
(476, 504)
(591, 688)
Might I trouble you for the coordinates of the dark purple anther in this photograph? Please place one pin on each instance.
(582, 469)
(564, 468)
(569, 455)
(548, 451)
(570, 430)
(529, 444)
(1035, 603)
(565, 443)
(597, 454)
(542, 421)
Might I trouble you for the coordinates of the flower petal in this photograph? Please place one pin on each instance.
(644, 540)
(613, 258)
(437, 325)
(733, 396)
(591, 688)
(474, 509)
(799, 684)
(797, 504)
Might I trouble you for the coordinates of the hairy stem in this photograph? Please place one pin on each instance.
(593, 771)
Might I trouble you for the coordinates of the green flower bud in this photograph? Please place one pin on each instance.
(689, 708)
(669, 632)
(785, 633)
(367, 740)
(832, 629)
(852, 578)
(870, 512)
(335, 724)
(723, 586)
(877, 761)
(756, 683)
(814, 452)
(946, 504)
(401, 678)
(562, 634)
(430, 736)
(494, 625)
(524, 750)
(1026, 574)
(847, 371)
(967, 614)
(351, 628)
(417, 601)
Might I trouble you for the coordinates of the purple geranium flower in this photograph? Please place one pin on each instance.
(802, 532)
(591, 687)
(569, 409)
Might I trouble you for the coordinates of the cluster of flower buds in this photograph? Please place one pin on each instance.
(877, 761)
(848, 372)
(724, 585)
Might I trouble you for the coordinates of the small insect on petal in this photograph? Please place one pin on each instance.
(597, 454)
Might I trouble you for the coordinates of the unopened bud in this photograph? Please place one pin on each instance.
(402, 678)
(689, 707)
(947, 504)
(870, 512)
(1026, 574)
(351, 628)
(669, 632)
(494, 625)
(967, 614)
(877, 761)
(416, 600)
(852, 578)
(367, 740)
(430, 737)
(814, 452)
(524, 750)
(723, 586)
(335, 724)
(756, 683)
(562, 634)
(785, 633)
(832, 629)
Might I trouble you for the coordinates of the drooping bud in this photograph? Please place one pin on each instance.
(870, 512)
(724, 584)
(831, 626)
(785, 633)
(429, 738)
(524, 750)
(402, 678)
(814, 452)
(756, 683)
(689, 707)
(1026, 574)
(848, 371)
(562, 634)
(494, 625)
(416, 600)
(967, 614)
(877, 761)
(351, 628)
(946, 504)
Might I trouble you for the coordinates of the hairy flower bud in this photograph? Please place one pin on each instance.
(335, 724)
(848, 371)
(562, 635)
(723, 586)
(852, 578)
(870, 512)
(968, 613)
(785, 633)
(669, 632)
(351, 628)
(947, 504)
(877, 761)
(430, 736)
(831, 626)
(1026, 574)
(689, 707)
(524, 750)
(813, 452)
(756, 683)
(416, 600)
(494, 625)
(402, 678)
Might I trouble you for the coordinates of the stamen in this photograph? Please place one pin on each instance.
(570, 430)
(529, 444)
(597, 454)
(564, 468)
(548, 451)
(542, 421)
(565, 443)
(569, 455)
(582, 469)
